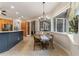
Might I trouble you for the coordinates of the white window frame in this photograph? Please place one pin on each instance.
(63, 24)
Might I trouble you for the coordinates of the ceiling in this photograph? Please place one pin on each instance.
(26, 9)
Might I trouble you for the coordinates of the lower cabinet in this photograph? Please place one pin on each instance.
(10, 39)
(3, 42)
(21, 35)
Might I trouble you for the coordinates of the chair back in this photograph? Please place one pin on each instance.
(36, 39)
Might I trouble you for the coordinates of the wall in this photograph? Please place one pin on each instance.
(37, 25)
(17, 24)
(52, 25)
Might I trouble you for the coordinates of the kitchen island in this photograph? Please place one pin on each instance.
(8, 39)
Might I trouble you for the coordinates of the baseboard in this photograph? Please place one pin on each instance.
(68, 52)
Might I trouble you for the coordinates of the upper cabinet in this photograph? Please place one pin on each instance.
(5, 23)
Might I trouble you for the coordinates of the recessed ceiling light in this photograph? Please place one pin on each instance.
(22, 16)
(12, 7)
(17, 12)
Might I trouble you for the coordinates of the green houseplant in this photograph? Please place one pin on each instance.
(73, 24)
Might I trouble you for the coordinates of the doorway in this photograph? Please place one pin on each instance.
(33, 31)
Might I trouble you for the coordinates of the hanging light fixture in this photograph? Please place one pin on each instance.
(43, 14)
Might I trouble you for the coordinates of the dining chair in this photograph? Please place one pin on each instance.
(51, 42)
(37, 42)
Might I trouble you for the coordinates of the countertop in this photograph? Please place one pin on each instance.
(9, 31)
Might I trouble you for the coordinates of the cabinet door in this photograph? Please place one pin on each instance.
(21, 35)
(10, 40)
(16, 37)
(13, 38)
(3, 42)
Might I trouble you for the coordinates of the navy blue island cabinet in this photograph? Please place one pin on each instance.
(9, 39)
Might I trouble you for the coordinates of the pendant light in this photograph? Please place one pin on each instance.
(43, 13)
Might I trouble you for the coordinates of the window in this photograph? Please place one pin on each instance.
(60, 25)
(45, 25)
